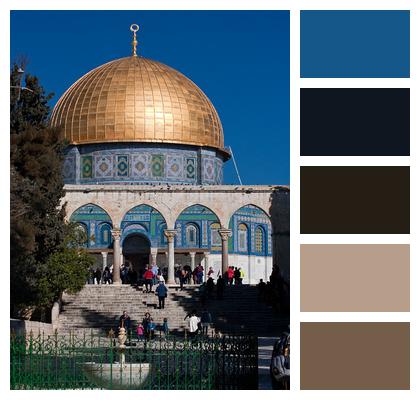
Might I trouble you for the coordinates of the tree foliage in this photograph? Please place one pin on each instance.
(39, 235)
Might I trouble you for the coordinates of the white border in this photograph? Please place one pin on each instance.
(294, 6)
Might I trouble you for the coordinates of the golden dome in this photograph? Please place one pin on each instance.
(134, 99)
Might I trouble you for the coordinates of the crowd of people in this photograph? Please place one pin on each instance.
(151, 275)
(275, 292)
(148, 329)
(147, 276)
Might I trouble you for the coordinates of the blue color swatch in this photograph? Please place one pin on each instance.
(355, 44)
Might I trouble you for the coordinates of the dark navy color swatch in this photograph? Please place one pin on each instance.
(355, 44)
(355, 122)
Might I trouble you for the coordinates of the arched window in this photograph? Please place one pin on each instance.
(216, 240)
(242, 237)
(259, 240)
(191, 233)
(105, 234)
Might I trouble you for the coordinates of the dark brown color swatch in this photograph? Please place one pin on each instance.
(359, 200)
(355, 355)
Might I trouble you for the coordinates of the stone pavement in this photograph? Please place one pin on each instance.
(265, 348)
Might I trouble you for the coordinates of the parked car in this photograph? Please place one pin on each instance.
(280, 363)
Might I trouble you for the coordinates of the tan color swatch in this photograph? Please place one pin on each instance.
(355, 277)
(355, 355)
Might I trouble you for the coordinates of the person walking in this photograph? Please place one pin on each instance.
(165, 327)
(206, 321)
(107, 277)
(162, 293)
(210, 273)
(193, 324)
(182, 278)
(148, 277)
(147, 321)
(125, 321)
(98, 276)
(155, 271)
(230, 275)
(140, 332)
(241, 275)
(220, 287)
(236, 275)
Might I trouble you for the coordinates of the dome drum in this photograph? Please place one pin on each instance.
(142, 163)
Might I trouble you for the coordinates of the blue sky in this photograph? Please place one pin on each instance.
(240, 59)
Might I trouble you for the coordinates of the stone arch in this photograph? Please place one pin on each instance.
(179, 208)
(72, 206)
(92, 217)
(163, 209)
(201, 217)
(253, 217)
(143, 219)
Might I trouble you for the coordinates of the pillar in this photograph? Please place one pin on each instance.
(206, 264)
(192, 258)
(225, 234)
(170, 235)
(153, 256)
(116, 234)
(104, 259)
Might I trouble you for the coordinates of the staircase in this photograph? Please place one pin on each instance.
(96, 310)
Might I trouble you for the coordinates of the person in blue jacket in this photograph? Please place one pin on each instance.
(162, 293)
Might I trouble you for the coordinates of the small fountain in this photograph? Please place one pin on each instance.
(118, 375)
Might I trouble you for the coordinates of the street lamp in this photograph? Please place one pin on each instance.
(21, 72)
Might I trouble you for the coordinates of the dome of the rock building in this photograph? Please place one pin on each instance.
(135, 99)
(138, 121)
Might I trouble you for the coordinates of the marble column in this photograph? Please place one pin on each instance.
(225, 234)
(206, 264)
(153, 256)
(104, 259)
(170, 235)
(116, 279)
(192, 259)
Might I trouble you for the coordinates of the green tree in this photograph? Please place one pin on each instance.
(39, 235)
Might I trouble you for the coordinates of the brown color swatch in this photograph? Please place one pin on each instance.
(355, 355)
(354, 200)
(355, 277)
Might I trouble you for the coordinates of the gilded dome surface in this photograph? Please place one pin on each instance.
(135, 99)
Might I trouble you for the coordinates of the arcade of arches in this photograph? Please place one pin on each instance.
(243, 235)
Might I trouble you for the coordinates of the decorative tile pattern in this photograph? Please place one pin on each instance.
(146, 163)
(174, 166)
(208, 170)
(190, 168)
(103, 166)
(86, 167)
(69, 168)
(140, 165)
(158, 165)
(122, 166)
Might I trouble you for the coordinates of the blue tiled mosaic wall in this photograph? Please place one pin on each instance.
(197, 227)
(142, 163)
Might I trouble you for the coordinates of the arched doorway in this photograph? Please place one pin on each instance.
(136, 251)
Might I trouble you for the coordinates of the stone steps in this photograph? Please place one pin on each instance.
(97, 309)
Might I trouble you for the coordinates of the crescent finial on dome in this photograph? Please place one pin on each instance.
(134, 28)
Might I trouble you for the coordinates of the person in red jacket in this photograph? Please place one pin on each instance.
(231, 273)
(148, 277)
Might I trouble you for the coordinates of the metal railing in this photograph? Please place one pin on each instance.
(93, 362)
